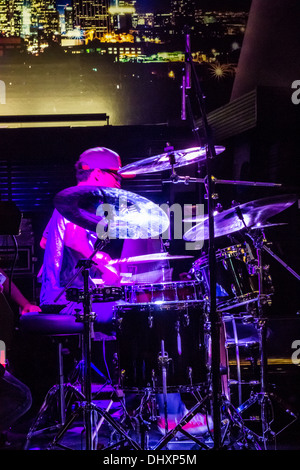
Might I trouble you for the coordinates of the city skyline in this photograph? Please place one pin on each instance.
(62, 64)
(155, 5)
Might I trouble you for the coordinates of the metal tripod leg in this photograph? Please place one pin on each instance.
(164, 359)
(186, 419)
(88, 409)
(34, 431)
(61, 389)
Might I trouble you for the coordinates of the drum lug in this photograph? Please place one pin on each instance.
(186, 319)
(117, 322)
(150, 320)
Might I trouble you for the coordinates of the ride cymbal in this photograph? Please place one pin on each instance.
(163, 161)
(251, 214)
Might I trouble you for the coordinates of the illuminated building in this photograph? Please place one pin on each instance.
(183, 12)
(121, 15)
(11, 17)
(26, 19)
(44, 16)
(68, 11)
(92, 15)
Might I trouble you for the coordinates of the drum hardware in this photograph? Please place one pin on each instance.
(241, 344)
(98, 294)
(163, 361)
(264, 397)
(66, 393)
(86, 407)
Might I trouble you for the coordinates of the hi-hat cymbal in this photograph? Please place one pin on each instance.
(162, 162)
(148, 258)
(128, 214)
(252, 214)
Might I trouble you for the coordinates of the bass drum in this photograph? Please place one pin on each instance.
(239, 356)
(145, 330)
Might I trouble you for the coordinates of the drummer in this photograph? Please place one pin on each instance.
(66, 243)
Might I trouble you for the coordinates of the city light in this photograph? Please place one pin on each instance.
(220, 71)
(93, 58)
(126, 10)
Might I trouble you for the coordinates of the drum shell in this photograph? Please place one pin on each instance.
(163, 292)
(234, 285)
(242, 346)
(140, 332)
(239, 354)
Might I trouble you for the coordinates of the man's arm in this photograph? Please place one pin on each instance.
(17, 296)
(76, 238)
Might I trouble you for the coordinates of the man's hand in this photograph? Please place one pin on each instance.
(76, 238)
(30, 308)
(110, 275)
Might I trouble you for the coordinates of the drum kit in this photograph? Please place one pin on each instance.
(164, 330)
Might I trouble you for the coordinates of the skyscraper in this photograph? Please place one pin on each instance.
(11, 17)
(183, 12)
(44, 16)
(92, 15)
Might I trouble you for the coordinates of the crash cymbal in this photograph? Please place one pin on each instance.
(148, 258)
(253, 214)
(162, 162)
(128, 215)
(259, 226)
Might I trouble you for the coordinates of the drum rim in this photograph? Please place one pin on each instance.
(222, 253)
(159, 303)
(166, 283)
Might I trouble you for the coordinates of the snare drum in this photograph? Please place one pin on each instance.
(235, 286)
(141, 329)
(167, 294)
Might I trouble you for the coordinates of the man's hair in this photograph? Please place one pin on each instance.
(82, 175)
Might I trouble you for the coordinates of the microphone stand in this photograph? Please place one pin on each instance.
(214, 318)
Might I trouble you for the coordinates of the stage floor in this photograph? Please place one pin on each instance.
(40, 429)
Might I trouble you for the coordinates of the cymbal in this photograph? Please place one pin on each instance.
(259, 226)
(162, 162)
(148, 258)
(254, 214)
(127, 214)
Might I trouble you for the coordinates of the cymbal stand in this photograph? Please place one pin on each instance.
(211, 196)
(163, 360)
(88, 408)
